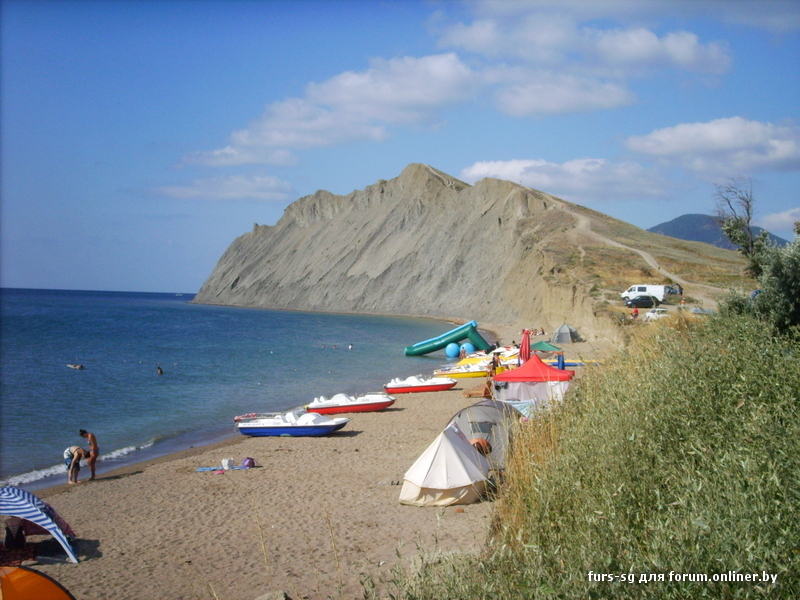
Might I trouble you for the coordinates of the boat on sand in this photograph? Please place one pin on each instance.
(418, 384)
(463, 371)
(294, 423)
(342, 403)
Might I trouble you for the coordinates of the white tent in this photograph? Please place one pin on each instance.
(539, 393)
(450, 471)
(533, 382)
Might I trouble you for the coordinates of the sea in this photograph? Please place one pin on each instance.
(217, 362)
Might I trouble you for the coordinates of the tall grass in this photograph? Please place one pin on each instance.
(681, 455)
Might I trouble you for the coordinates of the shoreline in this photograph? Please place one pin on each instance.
(132, 462)
(317, 516)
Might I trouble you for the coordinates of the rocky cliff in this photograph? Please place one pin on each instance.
(422, 244)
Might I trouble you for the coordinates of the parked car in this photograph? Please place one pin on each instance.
(642, 302)
(656, 313)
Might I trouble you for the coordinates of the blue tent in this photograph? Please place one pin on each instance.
(16, 502)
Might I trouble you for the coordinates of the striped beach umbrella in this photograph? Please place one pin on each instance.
(16, 502)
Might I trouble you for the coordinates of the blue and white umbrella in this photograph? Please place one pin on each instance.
(16, 502)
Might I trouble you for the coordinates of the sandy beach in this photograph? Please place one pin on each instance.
(327, 507)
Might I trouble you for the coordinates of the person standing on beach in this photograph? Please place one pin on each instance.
(94, 450)
(72, 460)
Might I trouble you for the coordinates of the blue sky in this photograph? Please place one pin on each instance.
(138, 139)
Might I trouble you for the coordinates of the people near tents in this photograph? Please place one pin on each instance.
(494, 364)
(488, 388)
(634, 313)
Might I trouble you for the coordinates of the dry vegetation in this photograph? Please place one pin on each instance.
(680, 456)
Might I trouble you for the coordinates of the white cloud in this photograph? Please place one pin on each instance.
(724, 147)
(581, 180)
(641, 47)
(348, 107)
(230, 156)
(398, 90)
(545, 58)
(232, 187)
(561, 94)
(778, 16)
(783, 221)
(535, 37)
(558, 39)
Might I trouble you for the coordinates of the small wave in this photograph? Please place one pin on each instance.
(39, 474)
(35, 475)
(125, 451)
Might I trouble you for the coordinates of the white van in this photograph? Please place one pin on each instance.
(658, 291)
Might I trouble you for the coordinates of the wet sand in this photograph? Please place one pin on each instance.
(315, 518)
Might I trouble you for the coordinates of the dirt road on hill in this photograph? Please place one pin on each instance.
(584, 226)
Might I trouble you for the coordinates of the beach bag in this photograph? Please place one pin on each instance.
(248, 463)
(227, 463)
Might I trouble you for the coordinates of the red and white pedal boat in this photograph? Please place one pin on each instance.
(418, 384)
(342, 403)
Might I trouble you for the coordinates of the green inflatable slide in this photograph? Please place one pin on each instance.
(468, 331)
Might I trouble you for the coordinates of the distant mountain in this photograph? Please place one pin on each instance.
(703, 228)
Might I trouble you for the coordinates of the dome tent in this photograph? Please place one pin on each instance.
(449, 472)
(488, 420)
(566, 334)
(22, 583)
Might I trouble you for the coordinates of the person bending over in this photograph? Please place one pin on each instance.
(72, 460)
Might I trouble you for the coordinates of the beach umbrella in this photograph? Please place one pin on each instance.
(525, 346)
(16, 502)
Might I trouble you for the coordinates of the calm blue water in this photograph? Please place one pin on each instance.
(218, 362)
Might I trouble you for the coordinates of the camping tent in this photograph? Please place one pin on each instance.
(488, 420)
(22, 583)
(450, 471)
(16, 502)
(533, 382)
(566, 334)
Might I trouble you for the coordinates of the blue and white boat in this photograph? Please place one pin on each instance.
(294, 423)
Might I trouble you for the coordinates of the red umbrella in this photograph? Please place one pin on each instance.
(525, 346)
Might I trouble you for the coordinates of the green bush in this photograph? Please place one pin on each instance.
(680, 456)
